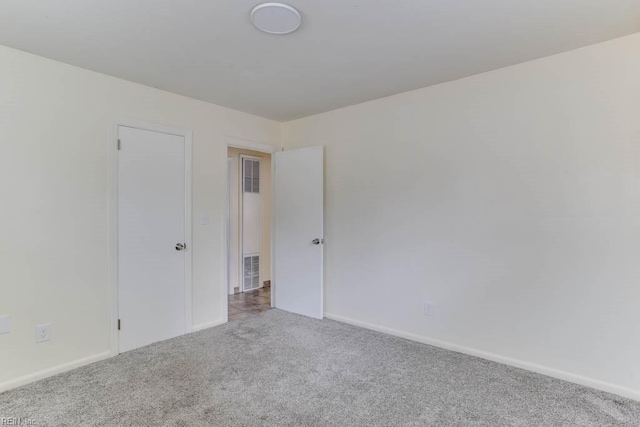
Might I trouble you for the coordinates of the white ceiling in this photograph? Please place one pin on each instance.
(346, 52)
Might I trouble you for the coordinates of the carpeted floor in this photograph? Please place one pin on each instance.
(278, 368)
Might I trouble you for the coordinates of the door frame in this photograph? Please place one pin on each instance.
(230, 172)
(113, 221)
(229, 142)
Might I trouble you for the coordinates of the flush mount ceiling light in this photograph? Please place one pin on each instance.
(275, 18)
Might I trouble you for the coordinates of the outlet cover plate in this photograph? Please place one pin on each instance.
(428, 309)
(43, 333)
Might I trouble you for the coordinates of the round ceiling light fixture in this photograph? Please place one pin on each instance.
(275, 18)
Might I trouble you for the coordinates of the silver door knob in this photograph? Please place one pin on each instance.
(317, 241)
(181, 247)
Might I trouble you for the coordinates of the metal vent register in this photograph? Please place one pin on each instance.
(251, 272)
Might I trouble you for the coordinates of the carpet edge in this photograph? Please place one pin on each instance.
(207, 325)
(55, 370)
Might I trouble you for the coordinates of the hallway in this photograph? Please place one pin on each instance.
(242, 305)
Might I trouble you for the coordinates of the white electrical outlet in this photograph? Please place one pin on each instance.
(428, 308)
(43, 333)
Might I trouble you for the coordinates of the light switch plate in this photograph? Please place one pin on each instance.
(204, 218)
(5, 324)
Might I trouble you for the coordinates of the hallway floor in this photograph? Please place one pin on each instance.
(245, 304)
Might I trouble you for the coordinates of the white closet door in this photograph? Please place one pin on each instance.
(151, 228)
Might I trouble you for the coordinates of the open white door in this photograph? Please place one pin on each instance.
(298, 207)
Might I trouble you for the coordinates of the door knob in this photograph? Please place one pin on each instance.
(181, 247)
(317, 241)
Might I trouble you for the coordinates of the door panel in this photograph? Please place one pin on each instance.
(151, 221)
(298, 219)
(251, 222)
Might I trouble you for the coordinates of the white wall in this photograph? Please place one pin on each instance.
(511, 200)
(55, 134)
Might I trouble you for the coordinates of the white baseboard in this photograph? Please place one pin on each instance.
(45, 373)
(555, 373)
(551, 372)
(207, 325)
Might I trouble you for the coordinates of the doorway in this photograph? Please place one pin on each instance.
(249, 229)
(289, 266)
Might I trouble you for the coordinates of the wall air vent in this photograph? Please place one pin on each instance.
(251, 175)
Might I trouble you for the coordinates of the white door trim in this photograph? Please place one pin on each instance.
(249, 145)
(113, 221)
(230, 172)
(228, 142)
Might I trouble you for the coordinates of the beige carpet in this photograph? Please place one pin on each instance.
(280, 369)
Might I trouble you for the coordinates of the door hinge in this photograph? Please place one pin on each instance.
(119, 145)
(118, 324)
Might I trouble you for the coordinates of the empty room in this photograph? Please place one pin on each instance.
(327, 213)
